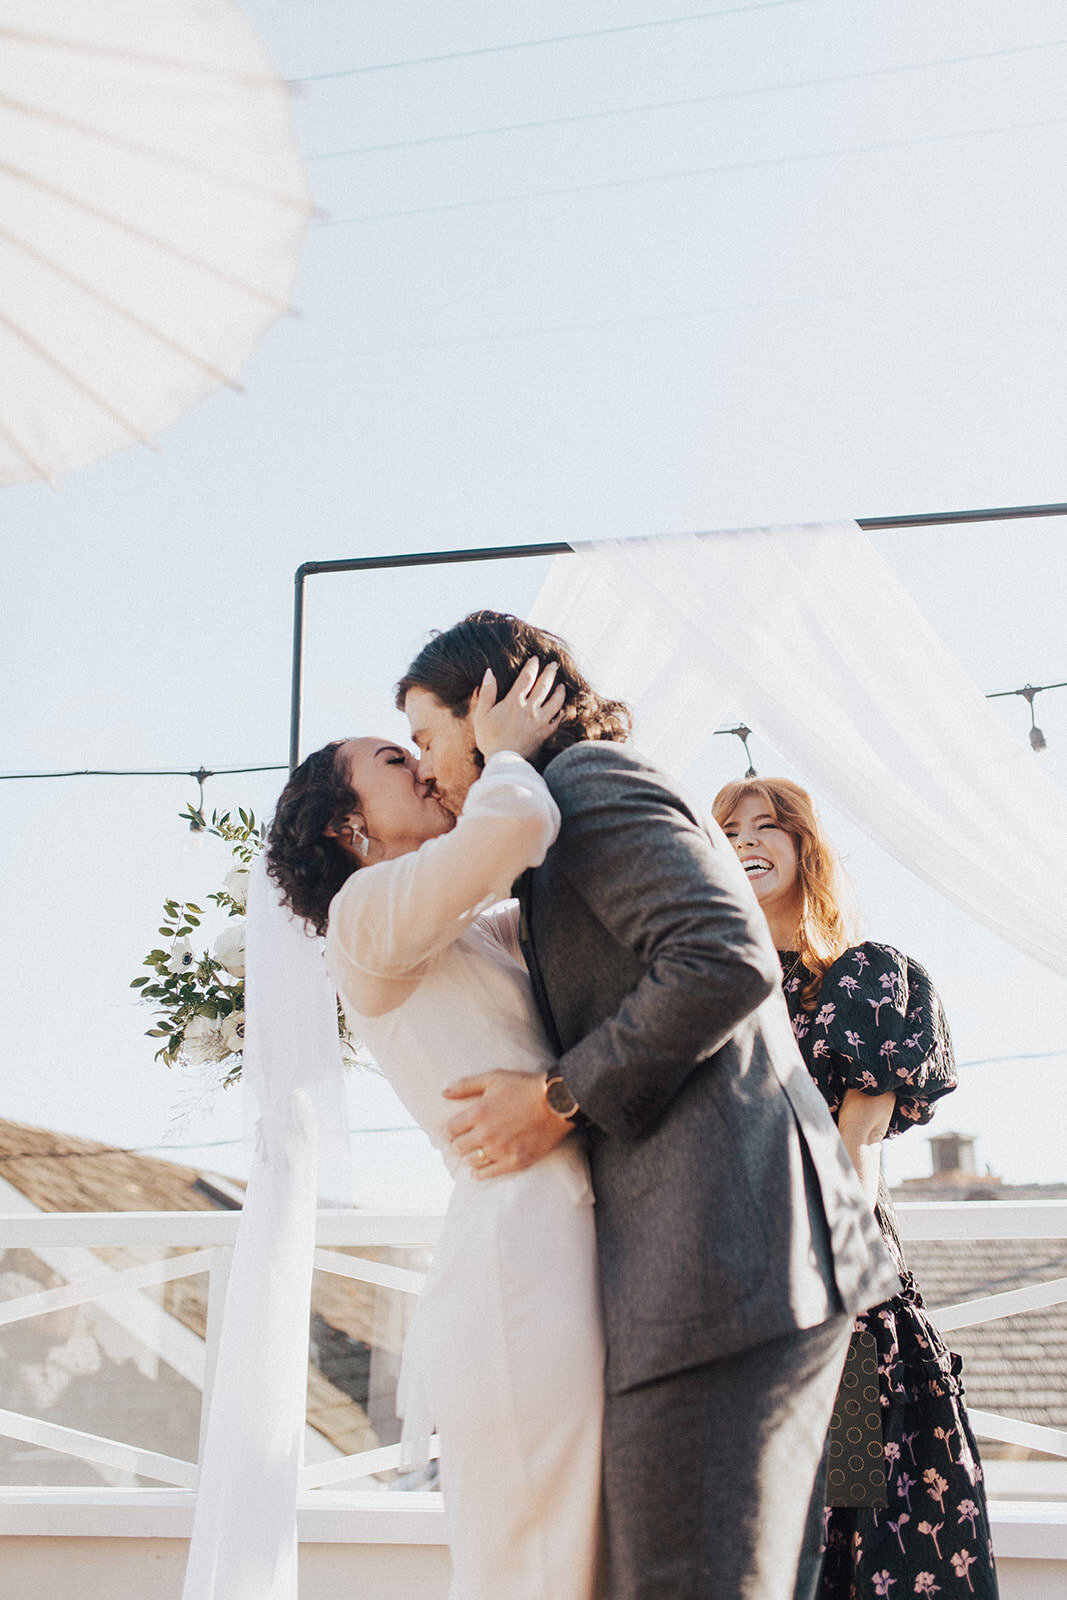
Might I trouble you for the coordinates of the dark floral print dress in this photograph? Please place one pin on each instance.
(878, 1025)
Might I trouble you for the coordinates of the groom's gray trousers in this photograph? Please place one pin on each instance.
(708, 1474)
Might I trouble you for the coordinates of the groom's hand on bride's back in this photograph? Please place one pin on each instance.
(505, 1123)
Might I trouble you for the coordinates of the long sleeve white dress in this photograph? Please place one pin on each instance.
(506, 1353)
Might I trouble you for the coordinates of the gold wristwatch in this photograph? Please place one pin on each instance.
(559, 1099)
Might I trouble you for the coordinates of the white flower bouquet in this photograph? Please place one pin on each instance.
(199, 1000)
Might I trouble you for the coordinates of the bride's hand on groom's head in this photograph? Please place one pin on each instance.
(524, 718)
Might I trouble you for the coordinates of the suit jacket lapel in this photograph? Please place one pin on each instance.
(524, 888)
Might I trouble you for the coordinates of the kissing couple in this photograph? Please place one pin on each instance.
(634, 1326)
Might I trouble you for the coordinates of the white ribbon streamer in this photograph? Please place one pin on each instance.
(244, 1544)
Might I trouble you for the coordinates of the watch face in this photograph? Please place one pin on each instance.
(560, 1098)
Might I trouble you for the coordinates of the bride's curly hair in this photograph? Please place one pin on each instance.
(827, 919)
(307, 866)
(451, 666)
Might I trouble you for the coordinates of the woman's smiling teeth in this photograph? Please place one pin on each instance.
(758, 866)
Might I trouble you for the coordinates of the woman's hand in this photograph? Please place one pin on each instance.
(524, 718)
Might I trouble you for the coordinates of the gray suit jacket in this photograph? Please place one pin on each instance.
(728, 1212)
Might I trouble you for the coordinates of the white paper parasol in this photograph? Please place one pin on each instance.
(152, 206)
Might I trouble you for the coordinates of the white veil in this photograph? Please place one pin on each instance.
(244, 1543)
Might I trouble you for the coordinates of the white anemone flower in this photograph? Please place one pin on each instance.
(205, 1040)
(181, 957)
(233, 1031)
(229, 948)
(235, 884)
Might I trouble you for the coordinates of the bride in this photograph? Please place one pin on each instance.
(505, 1357)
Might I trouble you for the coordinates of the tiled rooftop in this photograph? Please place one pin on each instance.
(63, 1172)
(1014, 1366)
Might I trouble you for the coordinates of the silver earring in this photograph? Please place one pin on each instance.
(361, 842)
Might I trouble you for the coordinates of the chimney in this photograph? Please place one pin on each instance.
(952, 1152)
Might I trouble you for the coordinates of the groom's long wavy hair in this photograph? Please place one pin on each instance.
(827, 919)
(452, 664)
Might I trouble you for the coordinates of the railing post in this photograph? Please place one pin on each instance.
(217, 1281)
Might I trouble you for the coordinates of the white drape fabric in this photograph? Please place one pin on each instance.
(244, 1533)
(807, 633)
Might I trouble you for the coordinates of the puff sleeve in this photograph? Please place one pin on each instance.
(879, 1027)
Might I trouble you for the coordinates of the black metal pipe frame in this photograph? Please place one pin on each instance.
(441, 558)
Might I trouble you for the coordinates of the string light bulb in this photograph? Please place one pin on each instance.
(743, 733)
(1028, 691)
(1037, 738)
(197, 822)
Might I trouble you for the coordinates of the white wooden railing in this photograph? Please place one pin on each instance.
(995, 1219)
(65, 1242)
(335, 1502)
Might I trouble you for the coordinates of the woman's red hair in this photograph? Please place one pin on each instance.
(825, 929)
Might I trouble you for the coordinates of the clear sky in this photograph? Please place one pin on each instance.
(792, 262)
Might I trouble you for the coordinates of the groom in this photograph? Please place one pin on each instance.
(733, 1240)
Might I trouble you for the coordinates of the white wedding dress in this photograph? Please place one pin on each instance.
(505, 1357)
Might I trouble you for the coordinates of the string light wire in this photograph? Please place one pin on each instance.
(140, 772)
(686, 104)
(220, 1144)
(763, 163)
(537, 44)
(201, 774)
(146, 1149)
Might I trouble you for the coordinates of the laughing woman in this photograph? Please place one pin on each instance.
(873, 1035)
